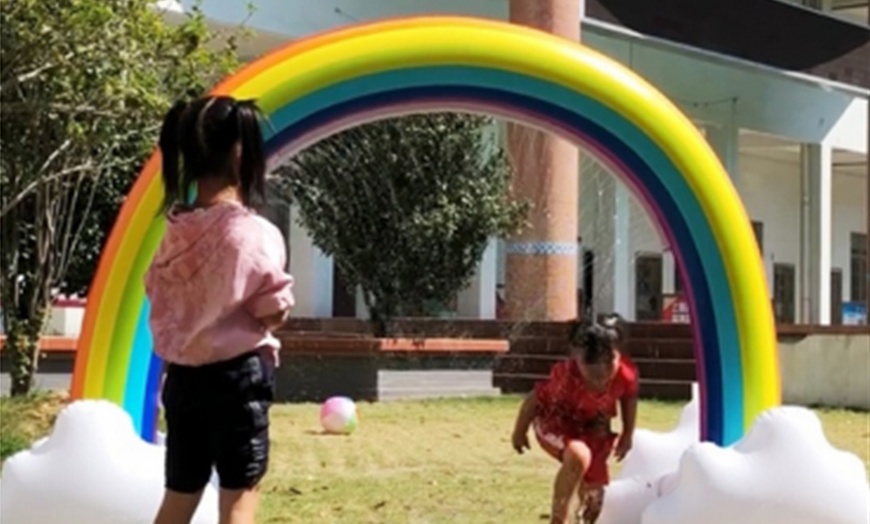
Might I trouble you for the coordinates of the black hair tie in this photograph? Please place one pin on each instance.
(234, 108)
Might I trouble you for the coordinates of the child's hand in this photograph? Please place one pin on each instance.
(623, 446)
(520, 441)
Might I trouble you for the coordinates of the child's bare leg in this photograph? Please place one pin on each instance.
(575, 461)
(593, 499)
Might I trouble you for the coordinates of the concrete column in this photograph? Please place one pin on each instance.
(725, 141)
(500, 256)
(580, 248)
(623, 276)
(816, 200)
(611, 242)
(581, 270)
(312, 273)
(478, 299)
(541, 263)
(669, 278)
(362, 310)
(867, 215)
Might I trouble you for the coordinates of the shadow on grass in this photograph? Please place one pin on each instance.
(324, 433)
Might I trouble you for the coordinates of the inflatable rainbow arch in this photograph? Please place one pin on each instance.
(323, 84)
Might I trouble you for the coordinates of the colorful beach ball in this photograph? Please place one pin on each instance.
(338, 416)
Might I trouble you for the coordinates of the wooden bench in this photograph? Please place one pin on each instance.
(315, 366)
(51, 344)
(56, 357)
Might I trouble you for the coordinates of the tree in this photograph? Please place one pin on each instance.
(405, 207)
(83, 87)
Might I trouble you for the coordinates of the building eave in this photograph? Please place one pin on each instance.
(608, 29)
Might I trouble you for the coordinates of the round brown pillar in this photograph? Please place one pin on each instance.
(541, 262)
(867, 216)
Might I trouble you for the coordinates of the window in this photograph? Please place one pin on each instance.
(784, 293)
(648, 287)
(758, 229)
(858, 267)
(585, 308)
(836, 297)
(678, 281)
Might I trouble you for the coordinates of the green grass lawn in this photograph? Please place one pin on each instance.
(446, 461)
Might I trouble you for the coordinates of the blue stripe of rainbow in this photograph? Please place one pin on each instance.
(317, 86)
(640, 162)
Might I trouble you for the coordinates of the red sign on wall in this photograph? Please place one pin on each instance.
(676, 309)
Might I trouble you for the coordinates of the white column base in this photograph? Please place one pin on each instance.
(478, 299)
(312, 273)
(816, 211)
(725, 141)
(623, 276)
(362, 310)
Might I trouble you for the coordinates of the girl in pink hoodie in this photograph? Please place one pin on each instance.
(217, 288)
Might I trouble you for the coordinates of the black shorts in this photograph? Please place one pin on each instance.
(217, 415)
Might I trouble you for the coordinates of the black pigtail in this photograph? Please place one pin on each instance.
(616, 325)
(597, 346)
(252, 167)
(598, 341)
(576, 332)
(170, 152)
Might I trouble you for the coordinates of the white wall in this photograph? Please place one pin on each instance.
(771, 194)
(749, 97)
(603, 232)
(810, 377)
(850, 203)
(770, 189)
(65, 321)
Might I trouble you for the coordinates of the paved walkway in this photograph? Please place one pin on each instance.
(49, 381)
(393, 384)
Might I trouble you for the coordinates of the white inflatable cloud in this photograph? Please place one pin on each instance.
(653, 456)
(92, 469)
(625, 501)
(783, 471)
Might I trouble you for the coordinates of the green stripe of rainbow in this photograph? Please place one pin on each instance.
(320, 84)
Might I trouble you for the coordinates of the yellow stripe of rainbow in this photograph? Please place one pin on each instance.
(738, 346)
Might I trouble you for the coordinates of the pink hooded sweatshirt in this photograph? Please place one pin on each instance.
(217, 272)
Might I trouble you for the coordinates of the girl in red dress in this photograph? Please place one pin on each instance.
(571, 413)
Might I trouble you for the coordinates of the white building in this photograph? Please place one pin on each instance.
(795, 145)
